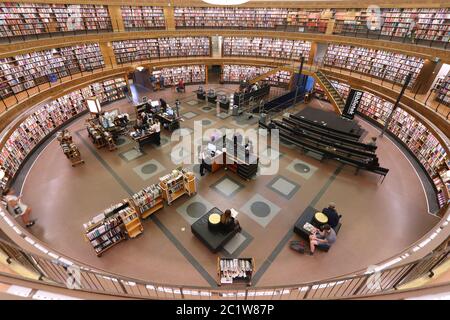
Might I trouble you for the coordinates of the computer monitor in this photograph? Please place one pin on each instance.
(154, 103)
(169, 111)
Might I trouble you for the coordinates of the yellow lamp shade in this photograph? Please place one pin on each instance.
(214, 218)
(321, 217)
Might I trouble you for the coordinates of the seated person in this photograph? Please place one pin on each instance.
(322, 239)
(332, 215)
(228, 222)
(200, 90)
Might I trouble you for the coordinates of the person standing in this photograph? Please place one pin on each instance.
(201, 158)
(157, 128)
(161, 82)
(17, 207)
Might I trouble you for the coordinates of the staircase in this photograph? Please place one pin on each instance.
(263, 76)
(332, 94)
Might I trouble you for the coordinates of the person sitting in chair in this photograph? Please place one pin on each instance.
(332, 215)
(228, 222)
(322, 239)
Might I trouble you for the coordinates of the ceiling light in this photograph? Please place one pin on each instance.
(226, 2)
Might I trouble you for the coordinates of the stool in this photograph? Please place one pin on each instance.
(214, 221)
(319, 219)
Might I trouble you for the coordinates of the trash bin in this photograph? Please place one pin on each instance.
(235, 110)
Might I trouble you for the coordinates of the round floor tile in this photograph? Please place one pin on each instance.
(206, 122)
(196, 209)
(207, 108)
(302, 168)
(260, 209)
(120, 141)
(149, 168)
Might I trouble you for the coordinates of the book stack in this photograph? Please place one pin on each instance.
(135, 17)
(266, 47)
(191, 74)
(28, 70)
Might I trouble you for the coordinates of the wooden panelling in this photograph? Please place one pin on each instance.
(116, 18)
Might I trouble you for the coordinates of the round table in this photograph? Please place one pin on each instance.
(319, 219)
(214, 221)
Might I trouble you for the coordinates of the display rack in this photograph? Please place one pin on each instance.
(155, 48)
(148, 200)
(389, 66)
(43, 121)
(235, 73)
(107, 229)
(235, 271)
(137, 17)
(131, 221)
(314, 20)
(100, 137)
(24, 19)
(177, 183)
(69, 147)
(191, 74)
(26, 71)
(443, 94)
(430, 24)
(266, 47)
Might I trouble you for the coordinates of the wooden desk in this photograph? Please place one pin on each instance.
(147, 137)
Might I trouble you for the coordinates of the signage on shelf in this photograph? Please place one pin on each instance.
(352, 103)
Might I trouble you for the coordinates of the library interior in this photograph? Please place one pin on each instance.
(214, 149)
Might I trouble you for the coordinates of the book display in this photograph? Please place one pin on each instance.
(235, 73)
(443, 94)
(390, 66)
(342, 88)
(235, 271)
(44, 120)
(143, 17)
(155, 48)
(266, 47)
(251, 18)
(375, 107)
(23, 19)
(68, 147)
(99, 135)
(25, 71)
(148, 200)
(111, 227)
(191, 74)
(280, 79)
(429, 24)
(177, 183)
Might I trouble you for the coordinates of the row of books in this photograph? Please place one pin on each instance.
(135, 17)
(147, 197)
(50, 116)
(21, 19)
(412, 132)
(383, 64)
(420, 23)
(154, 48)
(235, 73)
(443, 94)
(266, 47)
(267, 18)
(28, 70)
(190, 74)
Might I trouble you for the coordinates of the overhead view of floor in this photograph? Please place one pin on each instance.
(379, 219)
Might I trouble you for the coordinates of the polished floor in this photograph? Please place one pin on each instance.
(379, 220)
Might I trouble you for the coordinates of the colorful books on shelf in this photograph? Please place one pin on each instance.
(235, 73)
(136, 17)
(24, 19)
(154, 48)
(235, 270)
(266, 47)
(191, 74)
(148, 200)
(443, 94)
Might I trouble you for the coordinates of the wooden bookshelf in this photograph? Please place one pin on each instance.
(430, 24)
(176, 184)
(235, 73)
(47, 118)
(191, 74)
(25, 19)
(314, 20)
(443, 94)
(137, 17)
(235, 271)
(390, 66)
(148, 200)
(131, 222)
(26, 71)
(266, 47)
(155, 48)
